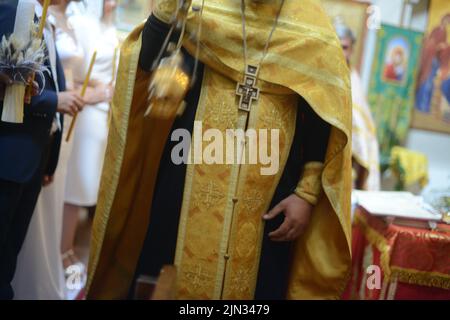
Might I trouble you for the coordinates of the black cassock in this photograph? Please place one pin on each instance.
(309, 144)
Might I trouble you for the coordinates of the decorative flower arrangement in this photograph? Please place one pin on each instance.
(442, 203)
(439, 199)
(21, 59)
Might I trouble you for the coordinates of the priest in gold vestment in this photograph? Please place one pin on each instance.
(231, 231)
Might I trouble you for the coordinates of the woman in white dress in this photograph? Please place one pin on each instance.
(91, 130)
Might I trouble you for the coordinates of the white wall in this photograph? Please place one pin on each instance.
(435, 145)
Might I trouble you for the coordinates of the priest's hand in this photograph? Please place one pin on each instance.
(70, 102)
(297, 212)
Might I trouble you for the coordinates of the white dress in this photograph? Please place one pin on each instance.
(91, 130)
(39, 273)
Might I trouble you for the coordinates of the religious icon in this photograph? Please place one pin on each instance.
(396, 61)
(391, 90)
(432, 105)
(355, 16)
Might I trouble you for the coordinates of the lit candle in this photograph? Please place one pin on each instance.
(83, 91)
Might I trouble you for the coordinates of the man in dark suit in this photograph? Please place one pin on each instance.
(28, 151)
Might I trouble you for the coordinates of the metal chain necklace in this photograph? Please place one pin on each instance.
(247, 91)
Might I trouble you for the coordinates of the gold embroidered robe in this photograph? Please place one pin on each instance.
(219, 238)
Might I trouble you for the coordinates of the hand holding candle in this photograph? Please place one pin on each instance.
(83, 91)
(40, 35)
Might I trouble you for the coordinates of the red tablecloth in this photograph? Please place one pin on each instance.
(414, 262)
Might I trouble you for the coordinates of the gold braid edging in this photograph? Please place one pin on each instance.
(422, 278)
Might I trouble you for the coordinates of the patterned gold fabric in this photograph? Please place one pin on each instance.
(304, 59)
(227, 200)
(310, 186)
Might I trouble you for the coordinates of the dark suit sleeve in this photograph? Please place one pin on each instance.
(7, 14)
(53, 153)
(45, 103)
(48, 102)
(56, 140)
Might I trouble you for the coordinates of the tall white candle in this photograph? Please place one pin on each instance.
(24, 19)
(13, 103)
(14, 94)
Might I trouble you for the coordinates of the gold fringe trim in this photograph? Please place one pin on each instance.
(422, 278)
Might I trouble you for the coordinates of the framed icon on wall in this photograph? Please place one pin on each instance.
(353, 14)
(432, 103)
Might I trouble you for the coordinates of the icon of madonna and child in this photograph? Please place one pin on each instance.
(433, 87)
